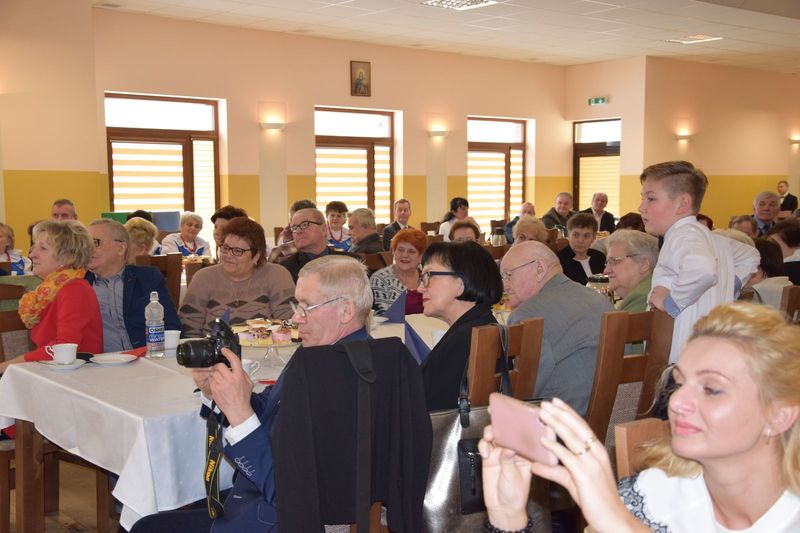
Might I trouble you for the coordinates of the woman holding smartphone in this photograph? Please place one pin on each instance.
(732, 461)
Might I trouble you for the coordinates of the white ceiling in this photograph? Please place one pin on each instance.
(557, 32)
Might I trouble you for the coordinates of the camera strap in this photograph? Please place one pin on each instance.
(214, 424)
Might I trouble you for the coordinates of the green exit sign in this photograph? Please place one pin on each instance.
(599, 100)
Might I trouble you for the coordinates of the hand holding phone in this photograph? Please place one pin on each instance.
(516, 425)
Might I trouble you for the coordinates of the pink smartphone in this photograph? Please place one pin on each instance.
(516, 425)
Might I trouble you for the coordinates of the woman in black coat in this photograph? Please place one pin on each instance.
(459, 284)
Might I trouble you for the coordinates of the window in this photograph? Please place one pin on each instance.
(495, 168)
(163, 154)
(596, 162)
(354, 151)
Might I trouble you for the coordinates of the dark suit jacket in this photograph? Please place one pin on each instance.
(371, 244)
(444, 367)
(315, 440)
(574, 270)
(789, 203)
(294, 262)
(139, 282)
(606, 221)
(388, 233)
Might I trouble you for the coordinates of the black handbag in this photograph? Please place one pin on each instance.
(454, 496)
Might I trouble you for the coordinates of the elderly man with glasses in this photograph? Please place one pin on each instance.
(310, 236)
(536, 287)
(334, 299)
(123, 290)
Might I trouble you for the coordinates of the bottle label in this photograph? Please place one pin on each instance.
(155, 334)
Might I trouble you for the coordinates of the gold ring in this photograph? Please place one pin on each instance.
(584, 451)
(590, 440)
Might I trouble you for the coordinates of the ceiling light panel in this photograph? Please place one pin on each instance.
(458, 5)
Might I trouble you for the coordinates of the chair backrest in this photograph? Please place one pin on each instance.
(380, 227)
(631, 436)
(434, 238)
(14, 336)
(6, 266)
(277, 230)
(161, 234)
(496, 224)
(170, 266)
(429, 226)
(561, 243)
(614, 368)
(374, 262)
(193, 268)
(524, 348)
(387, 258)
(497, 252)
(790, 301)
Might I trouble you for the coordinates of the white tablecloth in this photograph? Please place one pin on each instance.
(426, 327)
(139, 421)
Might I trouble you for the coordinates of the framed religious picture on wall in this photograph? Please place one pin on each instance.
(360, 79)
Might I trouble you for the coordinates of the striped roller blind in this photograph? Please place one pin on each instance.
(204, 190)
(342, 175)
(486, 185)
(147, 176)
(599, 174)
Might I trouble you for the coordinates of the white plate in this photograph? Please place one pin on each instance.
(52, 365)
(115, 358)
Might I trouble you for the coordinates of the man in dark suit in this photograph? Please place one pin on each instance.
(123, 291)
(766, 206)
(402, 212)
(364, 232)
(788, 200)
(605, 220)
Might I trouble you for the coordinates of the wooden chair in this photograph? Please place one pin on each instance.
(192, 269)
(552, 239)
(790, 301)
(277, 230)
(387, 258)
(611, 392)
(374, 262)
(380, 227)
(6, 266)
(161, 234)
(429, 226)
(170, 266)
(497, 252)
(496, 224)
(524, 349)
(434, 238)
(561, 243)
(631, 436)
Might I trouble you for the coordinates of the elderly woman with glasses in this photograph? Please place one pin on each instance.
(242, 284)
(187, 241)
(459, 284)
(632, 256)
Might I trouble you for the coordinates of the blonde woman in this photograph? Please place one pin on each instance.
(143, 235)
(731, 463)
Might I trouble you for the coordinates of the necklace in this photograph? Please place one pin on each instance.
(237, 298)
(412, 277)
(190, 249)
(341, 234)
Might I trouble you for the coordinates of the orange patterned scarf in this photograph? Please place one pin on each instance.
(33, 303)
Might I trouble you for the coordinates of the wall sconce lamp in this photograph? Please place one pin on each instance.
(438, 133)
(273, 126)
(794, 140)
(683, 136)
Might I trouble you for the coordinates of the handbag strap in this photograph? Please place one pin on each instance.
(505, 379)
(361, 358)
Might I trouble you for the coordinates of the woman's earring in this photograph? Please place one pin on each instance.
(768, 435)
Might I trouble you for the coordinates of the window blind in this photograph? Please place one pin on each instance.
(486, 186)
(599, 174)
(342, 176)
(147, 176)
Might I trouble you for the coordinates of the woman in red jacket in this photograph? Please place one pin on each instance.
(63, 309)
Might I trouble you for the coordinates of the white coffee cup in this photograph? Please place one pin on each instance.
(63, 354)
(171, 337)
(250, 366)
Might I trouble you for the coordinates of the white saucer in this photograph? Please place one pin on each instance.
(114, 358)
(52, 365)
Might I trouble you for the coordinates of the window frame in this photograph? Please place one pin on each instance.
(595, 149)
(367, 143)
(503, 147)
(183, 137)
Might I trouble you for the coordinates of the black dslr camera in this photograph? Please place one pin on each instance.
(203, 353)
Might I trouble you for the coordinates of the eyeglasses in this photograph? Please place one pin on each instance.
(425, 277)
(304, 225)
(614, 261)
(506, 275)
(303, 309)
(98, 242)
(236, 252)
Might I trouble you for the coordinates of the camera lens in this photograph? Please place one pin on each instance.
(199, 353)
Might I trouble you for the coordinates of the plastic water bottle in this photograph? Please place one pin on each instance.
(154, 320)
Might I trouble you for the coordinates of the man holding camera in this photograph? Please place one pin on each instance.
(333, 300)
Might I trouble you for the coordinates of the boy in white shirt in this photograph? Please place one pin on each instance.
(696, 270)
